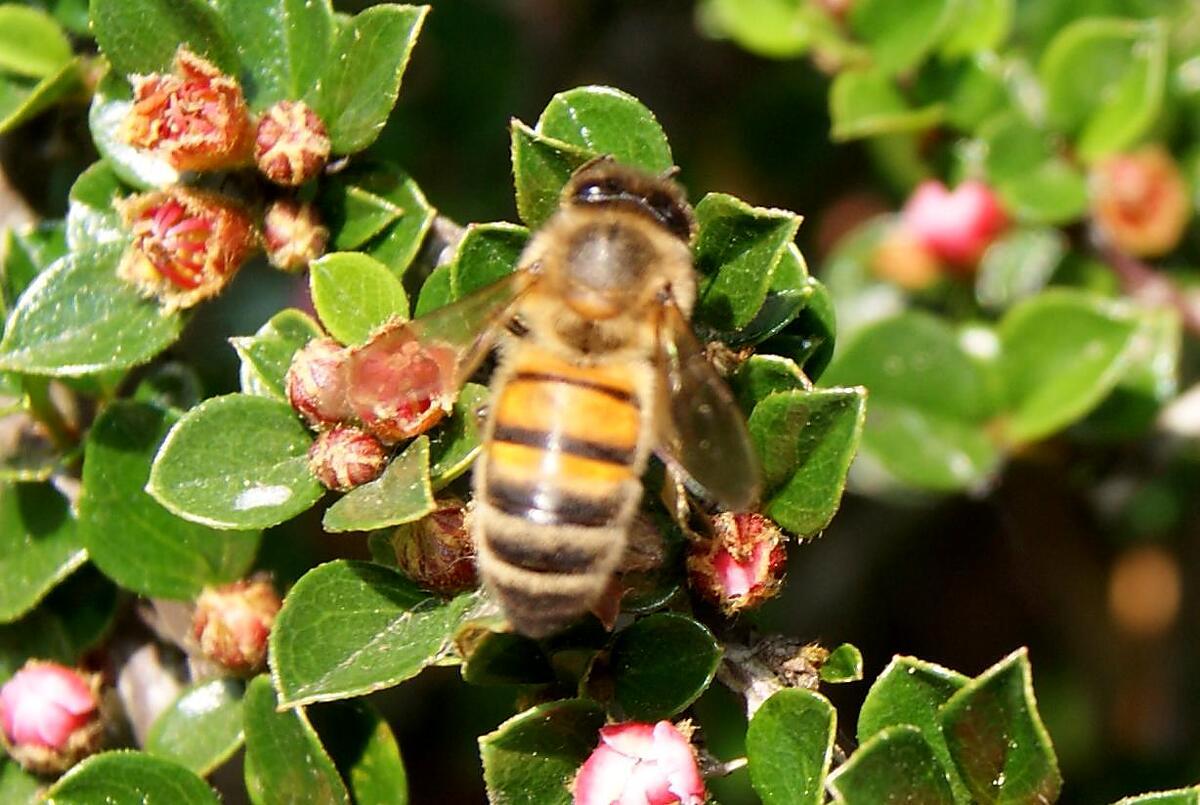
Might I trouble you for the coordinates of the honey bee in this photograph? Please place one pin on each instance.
(597, 367)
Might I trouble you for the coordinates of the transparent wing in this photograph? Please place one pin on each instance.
(701, 429)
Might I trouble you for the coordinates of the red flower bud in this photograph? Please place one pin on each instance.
(398, 387)
(346, 457)
(187, 244)
(740, 567)
(232, 622)
(293, 234)
(291, 145)
(1140, 201)
(902, 259)
(316, 383)
(50, 716)
(957, 227)
(196, 118)
(650, 764)
(437, 551)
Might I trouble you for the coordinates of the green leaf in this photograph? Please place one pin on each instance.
(39, 546)
(896, 765)
(141, 36)
(532, 758)
(92, 216)
(661, 664)
(1062, 352)
(844, 664)
(31, 43)
(267, 355)
(285, 761)
(506, 658)
(911, 691)
(865, 103)
(236, 461)
(1105, 81)
(355, 295)
(398, 242)
(435, 291)
(284, 45)
(69, 621)
(202, 728)
(111, 105)
(486, 253)
(354, 215)
(21, 100)
(360, 86)
(737, 251)
(997, 739)
(789, 744)
(806, 440)
(763, 375)
(455, 443)
(364, 750)
(18, 786)
(980, 25)
(899, 35)
(78, 318)
(604, 120)
(1181, 796)
(129, 777)
(348, 628)
(1054, 192)
(779, 29)
(1018, 265)
(402, 494)
(814, 331)
(541, 167)
(129, 536)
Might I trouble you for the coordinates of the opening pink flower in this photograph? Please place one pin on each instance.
(50, 716)
(1140, 201)
(956, 226)
(640, 764)
(742, 565)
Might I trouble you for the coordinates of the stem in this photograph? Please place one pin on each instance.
(712, 767)
(43, 409)
(1143, 282)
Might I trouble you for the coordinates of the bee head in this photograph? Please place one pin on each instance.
(603, 182)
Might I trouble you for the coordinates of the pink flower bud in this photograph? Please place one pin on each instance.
(437, 551)
(316, 383)
(741, 566)
(291, 145)
(187, 244)
(50, 716)
(957, 226)
(346, 457)
(640, 764)
(1140, 201)
(196, 118)
(232, 622)
(293, 234)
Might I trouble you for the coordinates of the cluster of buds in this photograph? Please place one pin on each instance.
(437, 551)
(51, 716)
(231, 623)
(1140, 203)
(741, 565)
(641, 763)
(940, 232)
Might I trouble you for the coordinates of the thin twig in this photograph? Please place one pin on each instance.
(1143, 282)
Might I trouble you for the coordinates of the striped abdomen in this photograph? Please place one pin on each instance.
(557, 485)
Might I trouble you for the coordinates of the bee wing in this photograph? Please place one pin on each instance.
(701, 429)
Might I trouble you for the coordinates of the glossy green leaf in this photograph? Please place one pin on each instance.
(865, 103)
(237, 461)
(435, 291)
(363, 748)
(997, 739)
(135, 541)
(39, 546)
(899, 35)
(31, 43)
(348, 628)
(1061, 354)
(21, 100)
(355, 295)
(541, 167)
(896, 765)
(1055, 192)
(980, 25)
(402, 494)
(267, 355)
(911, 691)
(604, 120)
(789, 744)
(284, 46)
(661, 664)
(789, 291)
(455, 443)
(170, 385)
(92, 216)
(396, 243)
(737, 250)
(202, 728)
(1018, 265)
(813, 333)
(806, 440)
(72, 619)
(763, 375)
(141, 36)
(844, 664)
(532, 758)
(354, 215)
(486, 253)
(285, 761)
(78, 318)
(780, 29)
(506, 658)
(1182, 796)
(360, 86)
(18, 786)
(111, 105)
(129, 777)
